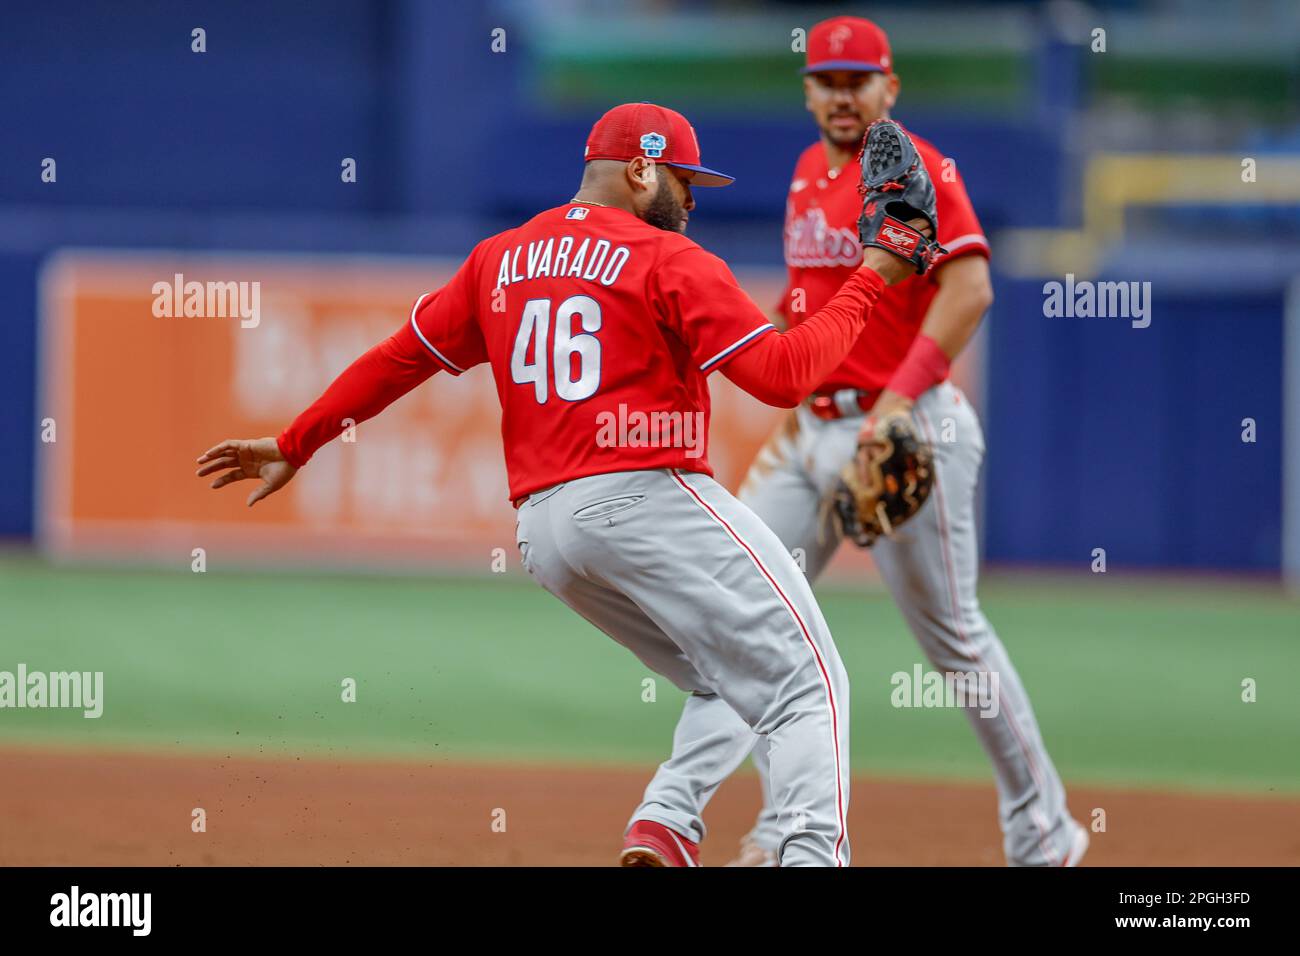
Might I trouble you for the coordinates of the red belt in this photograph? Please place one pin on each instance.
(845, 402)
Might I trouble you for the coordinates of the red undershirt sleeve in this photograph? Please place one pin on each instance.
(783, 368)
(365, 388)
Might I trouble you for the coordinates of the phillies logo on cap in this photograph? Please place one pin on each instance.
(654, 144)
(840, 36)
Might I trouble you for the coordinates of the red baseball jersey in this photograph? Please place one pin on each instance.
(822, 250)
(600, 330)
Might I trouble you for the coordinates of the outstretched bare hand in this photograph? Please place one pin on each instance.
(248, 458)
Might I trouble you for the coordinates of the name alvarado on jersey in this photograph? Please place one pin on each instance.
(558, 259)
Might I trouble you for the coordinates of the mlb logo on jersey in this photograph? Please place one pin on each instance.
(654, 144)
(577, 212)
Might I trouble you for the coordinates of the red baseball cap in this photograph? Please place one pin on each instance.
(655, 132)
(848, 43)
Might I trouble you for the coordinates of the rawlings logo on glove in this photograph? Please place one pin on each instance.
(897, 188)
(902, 241)
(886, 483)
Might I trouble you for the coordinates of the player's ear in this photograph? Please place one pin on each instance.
(891, 94)
(807, 93)
(642, 173)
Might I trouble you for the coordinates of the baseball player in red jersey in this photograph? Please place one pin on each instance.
(901, 362)
(602, 307)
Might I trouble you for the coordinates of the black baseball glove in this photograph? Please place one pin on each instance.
(897, 188)
(886, 483)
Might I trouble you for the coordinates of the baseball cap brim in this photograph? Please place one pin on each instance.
(857, 66)
(705, 176)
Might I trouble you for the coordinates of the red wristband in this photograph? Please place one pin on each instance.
(924, 365)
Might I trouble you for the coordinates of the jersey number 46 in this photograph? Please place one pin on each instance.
(558, 361)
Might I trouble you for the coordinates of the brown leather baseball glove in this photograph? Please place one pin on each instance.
(886, 483)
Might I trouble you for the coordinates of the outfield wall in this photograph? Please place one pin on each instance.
(1099, 434)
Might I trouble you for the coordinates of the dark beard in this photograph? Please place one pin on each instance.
(665, 212)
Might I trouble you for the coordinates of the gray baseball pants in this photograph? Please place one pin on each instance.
(674, 568)
(930, 567)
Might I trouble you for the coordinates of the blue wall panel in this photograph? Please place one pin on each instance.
(1103, 435)
(113, 93)
(19, 420)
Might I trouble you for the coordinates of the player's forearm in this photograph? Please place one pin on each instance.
(783, 369)
(365, 388)
(963, 297)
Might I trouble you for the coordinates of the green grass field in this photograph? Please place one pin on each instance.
(1135, 682)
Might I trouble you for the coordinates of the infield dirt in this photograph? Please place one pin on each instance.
(129, 809)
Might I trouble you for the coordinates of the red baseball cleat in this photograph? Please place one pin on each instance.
(653, 844)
